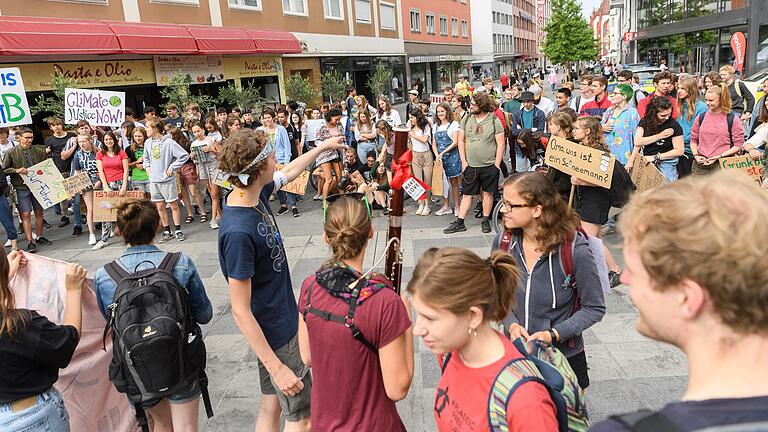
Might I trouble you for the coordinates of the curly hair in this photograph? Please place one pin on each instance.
(558, 221)
(595, 137)
(484, 102)
(239, 150)
(650, 123)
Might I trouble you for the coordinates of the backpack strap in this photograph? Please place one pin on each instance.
(646, 421)
(566, 259)
(141, 416)
(729, 119)
(514, 374)
(505, 242)
(203, 381)
(116, 271)
(169, 262)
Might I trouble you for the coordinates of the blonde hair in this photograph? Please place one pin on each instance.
(347, 226)
(456, 279)
(721, 90)
(727, 69)
(710, 230)
(687, 107)
(595, 137)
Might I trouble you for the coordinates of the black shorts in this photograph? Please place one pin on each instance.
(474, 180)
(593, 204)
(578, 363)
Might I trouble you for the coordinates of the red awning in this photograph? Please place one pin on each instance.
(49, 36)
(271, 41)
(221, 40)
(151, 38)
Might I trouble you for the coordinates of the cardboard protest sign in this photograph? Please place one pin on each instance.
(645, 175)
(580, 161)
(437, 178)
(77, 183)
(14, 109)
(45, 182)
(299, 185)
(99, 107)
(745, 164)
(220, 178)
(104, 203)
(91, 400)
(313, 126)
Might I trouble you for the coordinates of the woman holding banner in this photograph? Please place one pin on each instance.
(112, 163)
(85, 161)
(659, 138)
(32, 350)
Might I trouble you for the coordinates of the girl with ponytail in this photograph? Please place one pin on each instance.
(356, 332)
(717, 133)
(457, 296)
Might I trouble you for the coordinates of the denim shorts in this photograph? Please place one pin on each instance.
(26, 201)
(295, 408)
(188, 394)
(47, 415)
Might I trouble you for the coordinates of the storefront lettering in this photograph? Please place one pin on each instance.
(83, 72)
(266, 66)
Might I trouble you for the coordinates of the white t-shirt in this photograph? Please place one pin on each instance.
(393, 118)
(451, 128)
(4, 148)
(545, 104)
(760, 136)
(419, 146)
(581, 100)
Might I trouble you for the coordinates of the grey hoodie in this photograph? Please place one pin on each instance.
(159, 155)
(543, 302)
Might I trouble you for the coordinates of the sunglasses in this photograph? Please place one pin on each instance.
(356, 195)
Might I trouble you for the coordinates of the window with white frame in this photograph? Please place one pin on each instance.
(295, 7)
(454, 27)
(429, 19)
(246, 4)
(464, 28)
(363, 11)
(333, 9)
(387, 16)
(444, 25)
(181, 2)
(415, 21)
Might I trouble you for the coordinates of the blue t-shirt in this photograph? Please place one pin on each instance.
(250, 247)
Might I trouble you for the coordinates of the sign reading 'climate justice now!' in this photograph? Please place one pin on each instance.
(98, 107)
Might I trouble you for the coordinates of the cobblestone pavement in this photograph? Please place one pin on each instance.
(628, 371)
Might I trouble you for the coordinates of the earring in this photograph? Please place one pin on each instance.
(472, 332)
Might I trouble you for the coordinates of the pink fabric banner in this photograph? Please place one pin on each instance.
(91, 399)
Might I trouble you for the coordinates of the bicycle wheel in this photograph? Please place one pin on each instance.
(312, 177)
(495, 222)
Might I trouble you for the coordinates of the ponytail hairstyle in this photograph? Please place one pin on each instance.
(687, 107)
(564, 121)
(456, 279)
(178, 136)
(10, 317)
(347, 227)
(594, 138)
(721, 91)
(137, 221)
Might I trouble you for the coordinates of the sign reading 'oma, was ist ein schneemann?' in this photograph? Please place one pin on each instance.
(580, 161)
(98, 107)
(14, 109)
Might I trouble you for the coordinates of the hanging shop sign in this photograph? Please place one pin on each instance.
(252, 67)
(203, 69)
(91, 74)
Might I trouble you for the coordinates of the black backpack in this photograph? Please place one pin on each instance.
(621, 186)
(157, 347)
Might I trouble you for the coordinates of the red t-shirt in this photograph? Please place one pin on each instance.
(461, 400)
(642, 106)
(112, 165)
(348, 389)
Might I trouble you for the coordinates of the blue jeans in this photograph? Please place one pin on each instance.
(286, 198)
(669, 169)
(522, 163)
(76, 210)
(6, 218)
(47, 415)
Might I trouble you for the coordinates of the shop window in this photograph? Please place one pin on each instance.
(762, 50)
(443, 25)
(363, 11)
(387, 15)
(415, 21)
(295, 7)
(430, 22)
(245, 4)
(333, 9)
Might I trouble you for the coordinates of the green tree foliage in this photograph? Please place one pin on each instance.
(53, 104)
(245, 97)
(334, 85)
(300, 89)
(378, 82)
(569, 37)
(179, 92)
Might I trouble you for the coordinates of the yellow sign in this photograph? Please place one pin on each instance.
(645, 175)
(252, 67)
(585, 163)
(92, 74)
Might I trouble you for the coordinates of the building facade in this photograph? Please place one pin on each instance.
(438, 42)
(694, 35)
(624, 13)
(599, 22)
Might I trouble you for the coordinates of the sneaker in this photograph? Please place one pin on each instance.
(282, 211)
(609, 227)
(180, 236)
(77, 231)
(479, 213)
(44, 241)
(32, 247)
(614, 278)
(426, 210)
(317, 197)
(455, 226)
(100, 245)
(91, 239)
(456, 212)
(295, 212)
(7, 243)
(214, 224)
(21, 229)
(166, 237)
(64, 222)
(420, 208)
(83, 220)
(46, 224)
(485, 226)
(444, 211)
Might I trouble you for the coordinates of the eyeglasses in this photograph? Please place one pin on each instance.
(507, 206)
(356, 195)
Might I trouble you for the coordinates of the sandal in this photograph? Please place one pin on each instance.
(189, 219)
(203, 218)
